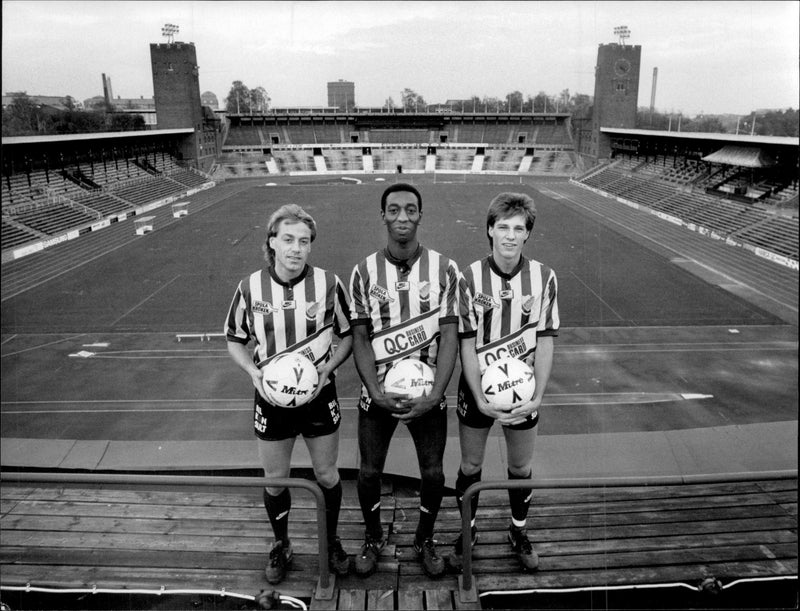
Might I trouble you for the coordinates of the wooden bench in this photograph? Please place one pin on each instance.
(153, 537)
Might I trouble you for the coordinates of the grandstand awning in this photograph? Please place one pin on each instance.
(743, 156)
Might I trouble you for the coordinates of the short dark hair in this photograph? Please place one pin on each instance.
(506, 205)
(402, 187)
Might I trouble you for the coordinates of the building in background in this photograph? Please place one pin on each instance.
(342, 95)
(176, 89)
(209, 98)
(616, 92)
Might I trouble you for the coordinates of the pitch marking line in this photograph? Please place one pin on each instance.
(153, 294)
(58, 341)
(348, 403)
(600, 299)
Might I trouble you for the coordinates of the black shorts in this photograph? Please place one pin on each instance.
(317, 418)
(469, 414)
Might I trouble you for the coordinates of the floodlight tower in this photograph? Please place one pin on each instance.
(168, 31)
(622, 32)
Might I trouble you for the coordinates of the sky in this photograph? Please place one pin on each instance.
(713, 57)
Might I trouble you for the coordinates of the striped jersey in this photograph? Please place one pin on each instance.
(507, 312)
(404, 303)
(299, 316)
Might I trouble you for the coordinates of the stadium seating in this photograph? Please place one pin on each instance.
(678, 188)
(15, 234)
(778, 234)
(328, 133)
(53, 219)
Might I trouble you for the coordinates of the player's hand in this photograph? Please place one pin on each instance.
(495, 410)
(522, 412)
(393, 403)
(418, 406)
(256, 376)
(323, 373)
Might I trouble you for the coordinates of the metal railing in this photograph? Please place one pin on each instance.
(326, 582)
(467, 591)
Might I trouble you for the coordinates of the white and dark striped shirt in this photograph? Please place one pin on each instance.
(506, 313)
(299, 316)
(404, 303)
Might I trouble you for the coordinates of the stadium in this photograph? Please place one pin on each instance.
(666, 469)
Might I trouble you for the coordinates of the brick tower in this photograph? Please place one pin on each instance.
(176, 90)
(616, 92)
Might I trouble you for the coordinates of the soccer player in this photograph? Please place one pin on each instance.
(508, 307)
(404, 305)
(291, 306)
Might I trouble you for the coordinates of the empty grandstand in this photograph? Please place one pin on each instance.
(743, 189)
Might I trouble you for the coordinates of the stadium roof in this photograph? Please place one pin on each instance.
(743, 156)
(738, 138)
(94, 136)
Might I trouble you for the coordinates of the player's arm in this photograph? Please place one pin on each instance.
(542, 366)
(342, 329)
(364, 357)
(340, 355)
(472, 374)
(244, 359)
(445, 363)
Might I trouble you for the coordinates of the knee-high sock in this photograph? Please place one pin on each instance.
(520, 501)
(333, 504)
(462, 483)
(278, 511)
(369, 497)
(430, 500)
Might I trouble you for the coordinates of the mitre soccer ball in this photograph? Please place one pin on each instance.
(289, 380)
(409, 377)
(508, 381)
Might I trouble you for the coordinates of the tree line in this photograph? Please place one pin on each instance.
(767, 123)
(23, 117)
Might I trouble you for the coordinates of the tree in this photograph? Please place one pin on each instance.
(541, 103)
(514, 101)
(707, 124)
(491, 104)
(238, 100)
(473, 105)
(412, 101)
(260, 99)
(21, 117)
(778, 123)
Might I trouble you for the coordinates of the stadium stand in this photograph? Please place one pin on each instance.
(727, 201)
(328, 133)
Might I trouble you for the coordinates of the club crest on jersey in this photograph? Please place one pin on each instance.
(527, 303)
(485, 301)
(264, 307)
(312, 309)
(380, 293)
(425, 290)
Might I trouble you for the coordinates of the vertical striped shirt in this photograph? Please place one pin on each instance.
(404, 304)
(298, 316)
(506, 313)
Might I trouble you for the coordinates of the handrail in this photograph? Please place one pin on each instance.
(325, 584)
(466, 582)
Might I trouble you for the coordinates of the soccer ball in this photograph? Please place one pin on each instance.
(289, 380)
(508, 381)
(409, 377)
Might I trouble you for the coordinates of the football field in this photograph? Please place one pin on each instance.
(127, 346)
